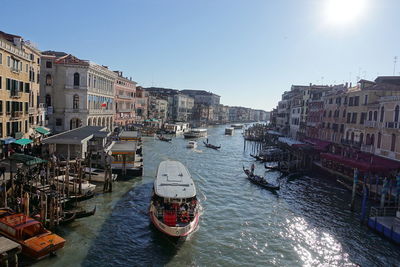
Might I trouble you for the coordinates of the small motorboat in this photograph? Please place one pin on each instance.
(256, 179)
(212, 146)
(162, 138)
(191, 144)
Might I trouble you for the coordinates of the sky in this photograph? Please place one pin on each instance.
(247, 51)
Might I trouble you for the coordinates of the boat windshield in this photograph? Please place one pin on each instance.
(32, 230)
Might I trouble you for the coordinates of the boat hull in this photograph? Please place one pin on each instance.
(175, 231)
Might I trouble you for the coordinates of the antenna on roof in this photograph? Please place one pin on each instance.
(394, 65)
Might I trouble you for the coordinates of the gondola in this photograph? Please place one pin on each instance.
(212, 146)
(81, 213)
(162, 138)
(260, 180)
(259, 158)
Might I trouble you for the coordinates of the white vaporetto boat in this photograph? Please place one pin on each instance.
(229, 131)
(174, 208)
(191, 144)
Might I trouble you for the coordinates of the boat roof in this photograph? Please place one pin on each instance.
(123, 146)
(229, 128)
(129, 134)
(199, 130)
(18, 220)
(174, 181)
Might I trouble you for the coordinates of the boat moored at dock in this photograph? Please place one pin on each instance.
(174, 208)
(36, 241)
(196, 133)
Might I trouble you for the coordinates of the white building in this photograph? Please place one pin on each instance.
(76, 92)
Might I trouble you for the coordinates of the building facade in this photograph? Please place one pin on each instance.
(76, 92)
(19, 72)
(125, 92)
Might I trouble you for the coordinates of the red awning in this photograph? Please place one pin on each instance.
(318, 144)
(365, 162)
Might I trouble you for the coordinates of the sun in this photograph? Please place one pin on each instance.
(344, 12)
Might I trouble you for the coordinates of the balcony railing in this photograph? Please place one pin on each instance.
(392, 125)
(125, 96)
(15, 70)
(368, 148)
(355, 144)
(371, 124)
(15, 94)
(16, 114)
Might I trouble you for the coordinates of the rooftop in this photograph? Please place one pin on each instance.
(123, 146)
(77, 136)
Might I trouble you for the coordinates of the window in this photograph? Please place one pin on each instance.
(348, 117)
(356, 100)
(375, 115)
(48, 100)
(330, 113)
(393, 144)
(76, 79)
(354, 118)
(76, 102)
(1, 58)
(382, 114)
(363, 116)
(370, 116)
(372, 139)
(378, 145)
(351, 101)
(26, 107)
(49, 80)
(365, 99)
(49, 64)
(396, 113)
(1, 83)
(361, 138)
(1, 107)
(27, 89)
(344, 113)
(8, 61)
(342, 128)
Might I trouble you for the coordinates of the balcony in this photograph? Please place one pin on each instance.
(354, 144)
(15, 70)
(15, 115)
(368, 148)
(124, 110)
(392, 125)
(15, 94)
(31, 110)
(371, 124)
(125, 97)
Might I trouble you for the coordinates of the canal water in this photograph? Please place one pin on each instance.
(307, 223)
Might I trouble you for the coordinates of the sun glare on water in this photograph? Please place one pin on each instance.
(344, 12)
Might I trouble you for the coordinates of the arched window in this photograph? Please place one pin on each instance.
(378, 145)
(76, 79)
(368, 140)
(396, 114)
(375, 115)
(49, 80)
(352, 136)
(382, 114)
(361, 138)
(347, 136)
(393, 144)
(370, 116)
(330, 113)
(48, 100)
(372, 139)
(76, 102)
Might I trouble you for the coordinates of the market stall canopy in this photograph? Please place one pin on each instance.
(26, 159)
(42, 130)
(23, 141)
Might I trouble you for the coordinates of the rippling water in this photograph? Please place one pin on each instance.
(307, 223)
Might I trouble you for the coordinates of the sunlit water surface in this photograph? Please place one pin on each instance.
(307, 223)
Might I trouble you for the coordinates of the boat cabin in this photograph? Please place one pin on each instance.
(130, 136)
(124, 157)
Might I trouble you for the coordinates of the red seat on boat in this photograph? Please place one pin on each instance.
(170, 218)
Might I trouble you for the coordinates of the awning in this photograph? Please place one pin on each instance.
(23, 141)
(26, 159)
(7, 140)
(42, 130)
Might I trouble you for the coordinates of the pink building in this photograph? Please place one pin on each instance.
(125, 91)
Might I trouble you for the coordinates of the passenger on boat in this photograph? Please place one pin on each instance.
(252, 168)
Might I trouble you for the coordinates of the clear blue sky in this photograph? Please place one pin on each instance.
(247, 51)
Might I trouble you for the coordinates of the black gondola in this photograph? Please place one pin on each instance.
(212, 146)
(260, 180)
(259, 158)
(162, 138)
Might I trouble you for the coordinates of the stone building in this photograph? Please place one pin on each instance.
(125, 91)
(182, 107)
(202, 97)
(76, 92)
(19, 77)
(142, 103)
(158, 109)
